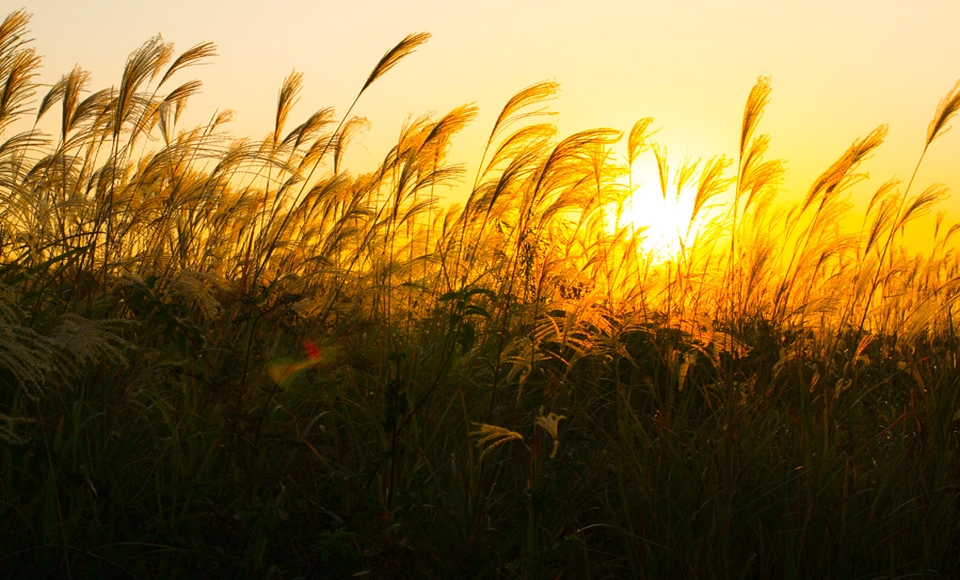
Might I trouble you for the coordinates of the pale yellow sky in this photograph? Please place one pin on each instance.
(839, 67)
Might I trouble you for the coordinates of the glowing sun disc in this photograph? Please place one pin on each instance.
(663, 222)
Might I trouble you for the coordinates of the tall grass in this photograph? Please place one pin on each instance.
(235, 358)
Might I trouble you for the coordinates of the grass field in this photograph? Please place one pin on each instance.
(231, 358)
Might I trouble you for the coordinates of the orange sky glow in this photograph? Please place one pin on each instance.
(839, 68)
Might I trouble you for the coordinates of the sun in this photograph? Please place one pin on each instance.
(663, 222)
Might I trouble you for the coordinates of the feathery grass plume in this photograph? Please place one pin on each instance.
(350, 129)
(428, 163)
(393, 56)
(941, 242)
(517, 108)
(550, 424)
(816, 241)
(947, 108)
(758, 175)
(917, 320)
(188, 58)
(638, 140)
(15, 58)
(200, 290)
(67, 90)
(520, 151)
(17, 71)
(590, 256)
(685, 173)
(437, 140)
(35, 362)
(481, 228)
(309, 129)
(753, 176)
(93, 111)
(938, 224)
(751, 149)
(175, 100)
(752, 112)
(12, 30)
(663, 170)
(881, 211)
(711, 183)
(271, 242)
(489, 437)
(271, 174)
(92, 341)
(838, 176)
(921, 205)
(521, 354)
(217, 119)
(132, 109)
(818, 268)
(555, 186)
(287, 97)
(566, 333)
(420, 167)
(561, 185)
(159, 111)
(142, 65)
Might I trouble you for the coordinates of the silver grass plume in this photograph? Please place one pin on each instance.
(393, 56)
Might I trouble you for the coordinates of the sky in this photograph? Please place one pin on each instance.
(839, 68)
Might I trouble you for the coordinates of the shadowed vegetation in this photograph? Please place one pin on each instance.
(235, 358)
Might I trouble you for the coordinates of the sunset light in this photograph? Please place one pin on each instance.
(662, 221)
(484, 290)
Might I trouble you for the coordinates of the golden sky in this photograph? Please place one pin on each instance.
(839, 68)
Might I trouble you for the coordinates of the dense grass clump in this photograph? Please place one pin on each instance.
(234, 358)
